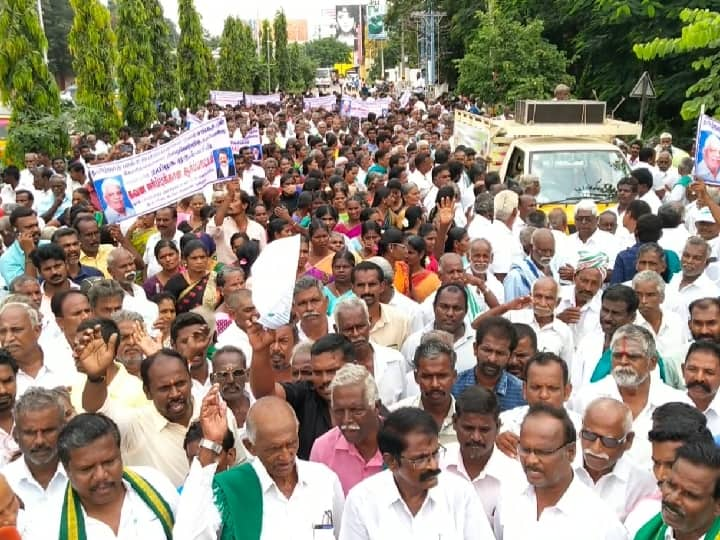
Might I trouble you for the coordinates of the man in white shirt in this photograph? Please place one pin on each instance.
(121, 266)
(413, 498)
(385, 364)
(674, 233)
(114, 502)
(506, 247)
(241, 310)
(553, 335)
(421, 175)
(275, 496)
(701, 372)
(249, 170)
(481, 258)
(474, 457)
(588, 238)
(646, 187)
(692, 282)
(483, 216)
(634, 357)
(579, 305)
(605, 436)
(553, 503)
(166, 224)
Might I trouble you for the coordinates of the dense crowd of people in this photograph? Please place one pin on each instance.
(456, 364)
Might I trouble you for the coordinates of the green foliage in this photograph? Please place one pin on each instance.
(162, 30)
(328, 51)
(57, 19)
(507, 60)
(237, 66)
(25, 82)
(194, 58)
(701, 32)
(302, 69)
(282, 58)
(266, 79)
(46, 133)
(136, 79)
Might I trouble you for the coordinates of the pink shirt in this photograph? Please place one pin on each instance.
(333, 450)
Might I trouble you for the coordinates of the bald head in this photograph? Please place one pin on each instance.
(611, 411)
(545, 284)
(269, 416)
(451, 268)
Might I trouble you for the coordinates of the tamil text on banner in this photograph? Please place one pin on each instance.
(224, 98)
(251, 99)
(360, 108)
(707, 158)
(273, 281)
(162, 176)
(323, 102)
(251, 140)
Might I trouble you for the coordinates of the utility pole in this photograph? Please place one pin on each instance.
(429, 22)
(402, 50)
(42, 26)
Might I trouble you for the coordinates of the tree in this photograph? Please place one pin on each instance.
(701, 32)
(194, 57)
(92, 45)
(282, 58)
(57, 20)
(25, 81)
(328, 51)
(266, 79)
(507, 60)
(302, 69)
(167, 91)
(238, 58)
(136, 78)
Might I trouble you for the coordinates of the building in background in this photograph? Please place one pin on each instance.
(297, 31)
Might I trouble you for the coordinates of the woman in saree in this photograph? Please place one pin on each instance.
(392, 247)
(423, 282)
(369, 239)
(342, 264)
(197, 219)
(229, 280)
(352, 228)
(195, 285)
(320, 256)
(168, 255)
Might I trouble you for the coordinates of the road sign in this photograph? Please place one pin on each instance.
(643, 88)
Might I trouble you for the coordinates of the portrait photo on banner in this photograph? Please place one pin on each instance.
(707, 159)
(224, 162)
(114, 198)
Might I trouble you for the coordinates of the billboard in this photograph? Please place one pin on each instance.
(376, 10)
(349, 28)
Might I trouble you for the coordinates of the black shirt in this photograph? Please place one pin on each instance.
(313, 413)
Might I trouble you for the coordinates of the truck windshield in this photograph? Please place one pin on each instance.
(323, 73)
(567, 175)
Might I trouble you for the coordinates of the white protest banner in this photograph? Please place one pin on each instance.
(253, 140)
(323, 102)
(273, 275)
(162, 176)
(223, 98)
(261, 99)
(191, 121)
(405, 99)
(707, 157)
(360, 108)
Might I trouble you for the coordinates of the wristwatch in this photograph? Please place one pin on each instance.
(214, 447)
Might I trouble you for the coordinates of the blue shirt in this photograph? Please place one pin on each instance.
(85, 273)
(520, 279)
(508, 388)
(12, 262)
(624, 269)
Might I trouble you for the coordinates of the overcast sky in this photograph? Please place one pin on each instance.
(213, 12)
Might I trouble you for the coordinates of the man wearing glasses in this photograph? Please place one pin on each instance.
(605, 436)
(554, 503)
(412, 498)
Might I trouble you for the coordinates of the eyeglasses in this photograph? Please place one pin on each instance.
(421, 461)
(538, 452)
(224, 376)
(607, 442)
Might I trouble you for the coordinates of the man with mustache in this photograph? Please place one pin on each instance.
(8, 388)
(385, 364)
(37, 477)
(481, 258)
(412, 497)
(103, 496)
(704, 325)
(16, 261)
(67, 239)
(435, 374)
(606, 435)
(553, 335)
(151, 435)
(701, 372)
(690, 497)
(93, 253)
(241, 310)
(350, 449)
(121, 266)
(309, 308)
(693, 282)
(474, 457)
(191, 337)
(579, 305)
(522, 275)
(495, 341)
(634, 357)
(309, 399)
(49, 259)
(527, 347)
(553, 502)
(281, 351)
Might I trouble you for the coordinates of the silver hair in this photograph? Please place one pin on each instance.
(586, 204)
(350, 304)
(110, 182)
(526, 234)
(608, 401)
(698, 241)
(636, 334)
(104, 288)
(408, 187)
(127, 315)
(114, 254)
(653, 277)
(351, 374)
(432, 348)
(233, 299)
(31, 312)
(19, 281)
(686, 165)
(37, 398)
(301, 348)
(305, 283)
(542, 232)
(438, 335)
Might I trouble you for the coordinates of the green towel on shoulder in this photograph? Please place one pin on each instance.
(604, 366)
(239, 498)
(656, 527)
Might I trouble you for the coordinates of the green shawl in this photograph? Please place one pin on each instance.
(239, 498)
(656, 527)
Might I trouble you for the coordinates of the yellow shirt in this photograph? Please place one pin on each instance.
(100, 260)
(124, 389)
(392, 328)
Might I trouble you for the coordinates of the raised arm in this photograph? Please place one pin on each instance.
(93, 357)
(262, 376)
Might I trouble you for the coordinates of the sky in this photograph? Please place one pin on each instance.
(213, 12)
